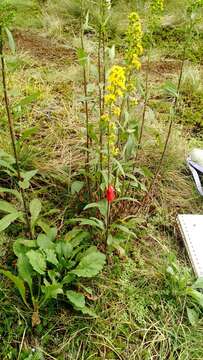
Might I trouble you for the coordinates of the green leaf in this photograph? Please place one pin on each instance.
(76, 186)
(196, 295)
(193, 316)
(76, 299)
(82, 57)
(7, 207)
(51, 291)
(8, 219)
(102, 205)
(64, 249)
(198, 283)
(25, 269)
(35, 209)
(44, 242)
(27, 176)
(13, 192)
(21, 246)
(18, 283)
(90, 265)
(37, 260)
(11, 41)
(51, 256)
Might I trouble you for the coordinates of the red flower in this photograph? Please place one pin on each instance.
(110, 193)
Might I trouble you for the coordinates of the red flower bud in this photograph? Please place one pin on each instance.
(110, 193)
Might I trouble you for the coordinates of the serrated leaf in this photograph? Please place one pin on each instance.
(7, 207)
(37, 260)
(18, 283)
(90, 265)
(25, 269)
(8, 219)
(51, 256)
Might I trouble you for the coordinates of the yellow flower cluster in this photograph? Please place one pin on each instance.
(134, 39)
(114, 93)
(157, 6)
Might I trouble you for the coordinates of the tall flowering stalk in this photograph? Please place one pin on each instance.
(116, 86)
(134, 50)
(84, 65)
(105, 7)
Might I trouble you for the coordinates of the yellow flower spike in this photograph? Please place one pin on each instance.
(157, 6)
(134, 39)
(109, 99)
(105, 118)
(116, 111)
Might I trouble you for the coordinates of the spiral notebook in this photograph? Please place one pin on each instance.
(191, 227)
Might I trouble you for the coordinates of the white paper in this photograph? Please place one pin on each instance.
(192, 230)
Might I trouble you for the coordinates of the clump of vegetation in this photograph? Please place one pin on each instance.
(92, 177)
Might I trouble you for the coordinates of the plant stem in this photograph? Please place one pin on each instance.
(172, 116)
(100, 106)
(86, 106)
(144, 107)
(12, 131)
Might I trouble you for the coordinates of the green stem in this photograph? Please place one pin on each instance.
(12, 131)
(86, 106)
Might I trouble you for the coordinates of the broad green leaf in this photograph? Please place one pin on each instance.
(35, 209)
(25, 269)
(37, 260)
(76, 299)
(196, 295)
(44, 242)
(7, 207)
(52, 233)
(102, 205)
(8, 219)
(76, 186)
(90, 265)
(11, 41)
(193, 316)
(18, 283)
(64, 249)
(21, 246)
(51, 256)
(51, 292)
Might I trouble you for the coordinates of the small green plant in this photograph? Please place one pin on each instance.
(49, 267)
(178, 282)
